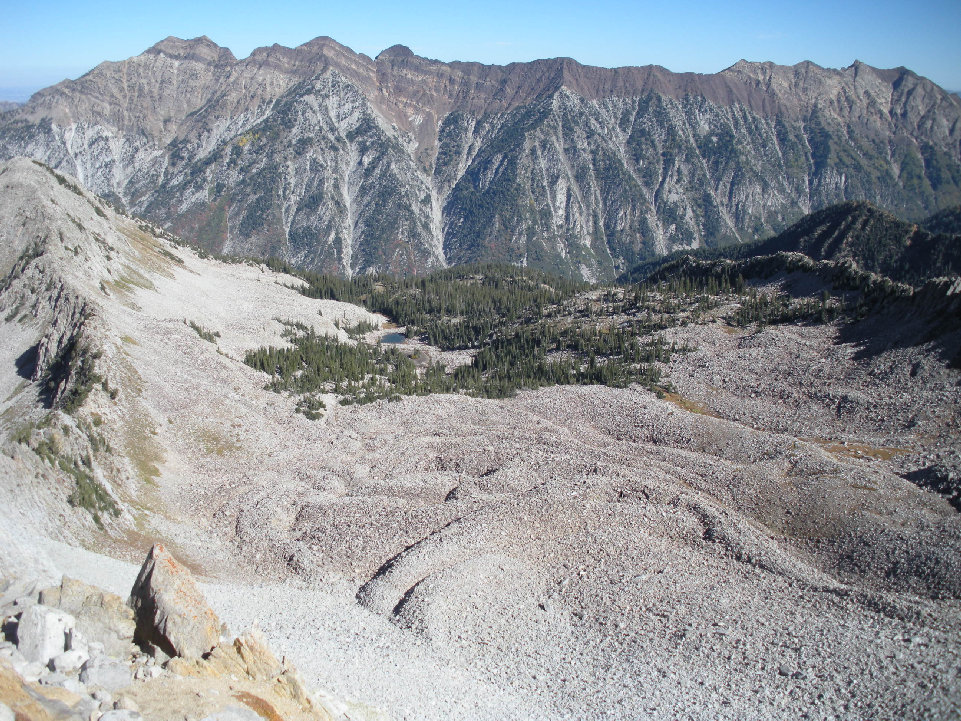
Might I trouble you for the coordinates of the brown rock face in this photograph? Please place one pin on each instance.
(171, 612)
(34, 702)
(252, 666)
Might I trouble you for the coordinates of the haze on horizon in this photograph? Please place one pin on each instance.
(42, 45)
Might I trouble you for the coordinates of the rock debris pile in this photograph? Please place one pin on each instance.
(75, 651)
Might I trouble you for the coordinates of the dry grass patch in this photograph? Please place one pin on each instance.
(691, 406)
(840, 449)
(214, 442)
(152, 252)
(139, 433)
(130, 279)
(142, 450)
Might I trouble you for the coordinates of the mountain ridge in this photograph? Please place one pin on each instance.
(855, 231)
(336, 161)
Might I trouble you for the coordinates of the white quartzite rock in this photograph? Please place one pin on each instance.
(42, 633)
(68, 661)
(233, 713)
(101, 617)
(122, 715)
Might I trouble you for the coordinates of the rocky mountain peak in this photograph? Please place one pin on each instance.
(396, 52)
(201, 49)
(325, 45)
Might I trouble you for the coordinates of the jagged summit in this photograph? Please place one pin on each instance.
(395, 52)
(201, 49)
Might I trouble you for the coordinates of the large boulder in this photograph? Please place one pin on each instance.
(43, 633)
(248, 656)
(170, 612)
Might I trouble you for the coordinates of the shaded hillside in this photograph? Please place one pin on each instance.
(947, 221)
(873, 240)
(340, 163)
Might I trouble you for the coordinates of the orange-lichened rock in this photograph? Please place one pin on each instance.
(170, 611)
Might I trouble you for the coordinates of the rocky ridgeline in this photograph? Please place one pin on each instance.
(346, 164)
(75, 651)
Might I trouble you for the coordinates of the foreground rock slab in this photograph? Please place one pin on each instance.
(99, 614)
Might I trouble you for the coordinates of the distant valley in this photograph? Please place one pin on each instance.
(737, 478)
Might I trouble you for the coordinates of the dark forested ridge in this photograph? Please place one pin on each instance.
(525, 329)
(947, 221)
(872, 239)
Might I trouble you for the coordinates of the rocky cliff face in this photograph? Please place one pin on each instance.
(343, 163)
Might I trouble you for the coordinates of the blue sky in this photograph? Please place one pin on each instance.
(44, 42)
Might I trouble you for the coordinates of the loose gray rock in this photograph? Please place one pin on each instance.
(74, 686)
(42, 633)
(170, 612)
(95, 649)
(86, 708)
(68, 661)
(30, 671)
(9, 650)
(121, 715)
(157, 654)
(101, 616)
(126, 703)
(76, 641)
(53, 679)
(105, 673)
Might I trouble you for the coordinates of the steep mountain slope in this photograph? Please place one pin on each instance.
(338, 162)
(875, 240)
(756, 546)
(84, 351)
